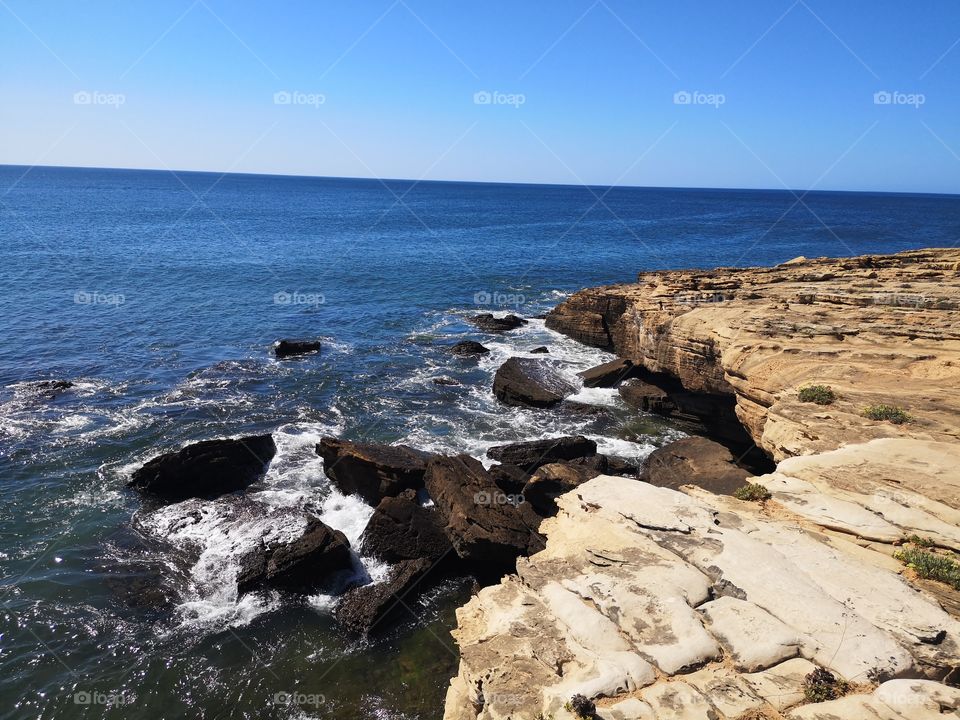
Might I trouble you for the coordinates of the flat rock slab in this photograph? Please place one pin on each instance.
(753, 638)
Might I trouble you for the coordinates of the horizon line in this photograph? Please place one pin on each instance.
(175, 172)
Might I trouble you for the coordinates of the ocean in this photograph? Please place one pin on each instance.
(159, 295)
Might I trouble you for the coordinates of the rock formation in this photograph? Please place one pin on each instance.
(530, 382)
(370, 470)
(292, 348)
(878, 330)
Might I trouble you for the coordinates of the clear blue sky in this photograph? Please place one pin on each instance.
(786, 89)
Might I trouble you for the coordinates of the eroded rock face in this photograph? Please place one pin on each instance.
(878, 330)
(530, 382)
(206, 469)
(609, 374)
(659, 603)
(531, 454)
(402, 529)
(370, 470)
(694, 461)
(486, 529)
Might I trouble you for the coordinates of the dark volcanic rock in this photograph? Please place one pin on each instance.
(206, 469)
(50, 388)
(444, 381)
(542, 349)
(550, 482)
(694, 461)
(402, 529)
(261, 543)
(469, 347)
(365, 609)
(530, 382)
(488, 323)
(509, 478)
(372, 471)
(291, 348)
(484, 527)
(532, 454)
(646, 396)
(608, 374)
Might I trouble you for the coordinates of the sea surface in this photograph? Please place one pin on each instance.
(159, 296)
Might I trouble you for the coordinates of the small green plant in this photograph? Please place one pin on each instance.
(819, 394)
(920, 541)
(896, 415)
(822, 685)
(931, 565)
(752, 492)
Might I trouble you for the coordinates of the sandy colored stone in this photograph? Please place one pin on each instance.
(678, 701)
(726, 691)
(878, 329)
(753, 638)
(782, 685)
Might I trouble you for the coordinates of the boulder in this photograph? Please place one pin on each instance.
(608, 374)
(206, 469)
(485, 528)
(402, 529)
(550, 482)
(694, 461)
(292, 348)
(50, 388)
(241, 541)
(646, 397)
(488, 323)
(370, 470)
(509, 478)
(540, 350)
(444, 381)
(530, 382)
(607, 465)
(365, 609)
(532, 454)
(469, 347)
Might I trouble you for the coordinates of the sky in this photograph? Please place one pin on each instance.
(802, 94)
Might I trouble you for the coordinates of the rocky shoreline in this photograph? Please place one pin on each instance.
(827, 588)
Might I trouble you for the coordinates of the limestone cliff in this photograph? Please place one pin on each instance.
(883, 329)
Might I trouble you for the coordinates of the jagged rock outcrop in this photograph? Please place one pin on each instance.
(205, 469)
(656, 603)
(883, 329)
(370, 470)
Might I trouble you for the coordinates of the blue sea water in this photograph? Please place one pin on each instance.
(159, 296)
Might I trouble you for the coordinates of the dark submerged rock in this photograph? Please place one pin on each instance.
(540, 350)
(444, 381)
(370, 470)
(292, 348)
(366, 609)
(491, 324)
(206, 469)
(532, 454)
(469, 347)
(530, 382)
